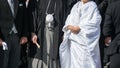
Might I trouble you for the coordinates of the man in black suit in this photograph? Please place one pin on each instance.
(111, 31)
(103, 48)
(13, 31)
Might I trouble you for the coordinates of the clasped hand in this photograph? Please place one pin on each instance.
(74, 29)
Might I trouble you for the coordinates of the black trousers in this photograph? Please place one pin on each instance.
(115, 61)
(12, 55)
(24, 56)
(1, 57)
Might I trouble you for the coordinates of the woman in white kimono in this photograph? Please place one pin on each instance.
(80, 46)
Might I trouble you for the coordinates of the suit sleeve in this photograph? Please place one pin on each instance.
(32, 15)
(108, 24)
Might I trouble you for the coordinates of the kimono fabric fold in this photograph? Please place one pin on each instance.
(81, 50)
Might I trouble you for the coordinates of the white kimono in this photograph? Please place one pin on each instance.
(81, 50)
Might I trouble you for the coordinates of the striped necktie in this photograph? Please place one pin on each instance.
(11, 3)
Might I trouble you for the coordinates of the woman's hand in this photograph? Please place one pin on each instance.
(73, 29)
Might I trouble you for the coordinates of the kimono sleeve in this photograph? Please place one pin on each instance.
(92, 23)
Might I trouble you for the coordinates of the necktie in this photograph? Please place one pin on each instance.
(11, 3)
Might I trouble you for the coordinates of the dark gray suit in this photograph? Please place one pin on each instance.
(6, 17)
(11, 56)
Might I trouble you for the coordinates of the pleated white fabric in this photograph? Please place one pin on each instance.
(81, 50)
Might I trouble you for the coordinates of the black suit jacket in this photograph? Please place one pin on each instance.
(21, 19)
(112, 27)
(7, 19)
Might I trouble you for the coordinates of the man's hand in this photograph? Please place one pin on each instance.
(1, 42)
(34, 38)
(23, 40)
(74, 29)
(107, 41)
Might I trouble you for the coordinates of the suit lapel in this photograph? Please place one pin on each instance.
(15, 6)
(7, 6)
